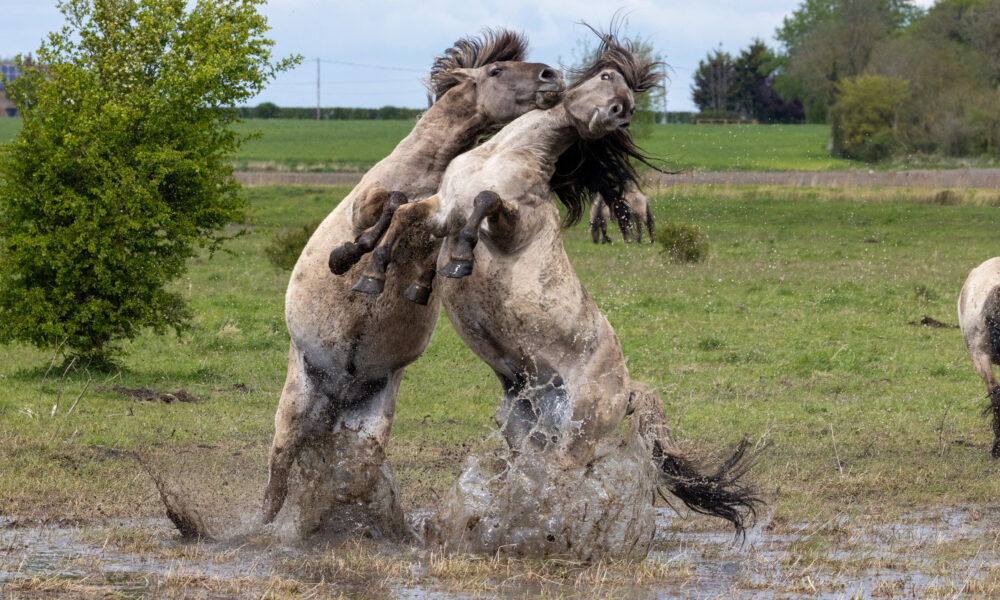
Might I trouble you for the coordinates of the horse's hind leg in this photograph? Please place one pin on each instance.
(345, 256)
(407, 217)
(294, 424)
(649, 223)
(502, 216)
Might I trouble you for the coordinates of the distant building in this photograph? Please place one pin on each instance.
(10, 72)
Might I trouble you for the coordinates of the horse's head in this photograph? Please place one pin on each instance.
(600, 104)
(489, 71)
(505, 90)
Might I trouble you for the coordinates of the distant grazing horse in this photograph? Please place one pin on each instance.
(979, 318)
(632, 211)
(348, 352)
(514, 298)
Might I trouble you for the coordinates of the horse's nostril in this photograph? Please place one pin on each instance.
(547, 75)
(616, 108)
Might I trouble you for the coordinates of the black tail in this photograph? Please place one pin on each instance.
(721, 494)
(991, 314)
(625, 216)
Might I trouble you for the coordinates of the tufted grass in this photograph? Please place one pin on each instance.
(795, 331)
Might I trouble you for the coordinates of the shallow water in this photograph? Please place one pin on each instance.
(941, 553)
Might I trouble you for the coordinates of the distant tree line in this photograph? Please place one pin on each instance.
(269, 110)
(888, 76)
(742, 87)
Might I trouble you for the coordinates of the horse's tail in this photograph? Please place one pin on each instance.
(623, 214)
(991, 314)
(722, 494)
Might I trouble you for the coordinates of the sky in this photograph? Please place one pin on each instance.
(374, 53)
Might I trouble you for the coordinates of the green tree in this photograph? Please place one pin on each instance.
(827, 40)
(119, 171)
(865, 116)
(267, 110)
(713, 83)
(751, 71)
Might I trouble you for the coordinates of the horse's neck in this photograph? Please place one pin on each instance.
(541, 134)
(450, 126)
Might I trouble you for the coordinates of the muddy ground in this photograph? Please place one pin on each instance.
(931, 554)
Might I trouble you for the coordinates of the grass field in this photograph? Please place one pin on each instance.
(798, 331)
(289, 144)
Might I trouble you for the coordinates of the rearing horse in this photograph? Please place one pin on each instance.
(512, 295)
(347, 353)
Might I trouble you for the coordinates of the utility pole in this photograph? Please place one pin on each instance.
(317, 88)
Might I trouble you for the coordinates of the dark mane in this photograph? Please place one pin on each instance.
(493, 45)
(604, 166)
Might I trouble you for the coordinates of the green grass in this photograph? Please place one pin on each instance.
(745, 147)
(303, 145)
(294, 144)
(795, 330)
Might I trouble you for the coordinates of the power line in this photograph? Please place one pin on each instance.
(366, 66)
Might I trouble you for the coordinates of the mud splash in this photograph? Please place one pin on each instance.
(534, 508)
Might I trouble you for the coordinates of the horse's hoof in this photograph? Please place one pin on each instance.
(995, 452)
(457, 269)
(418, 294)
(369, 285)
(343, 257)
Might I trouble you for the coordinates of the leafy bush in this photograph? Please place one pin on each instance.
(287, 245)
(683, 242)
(120, 169)
(865, 115)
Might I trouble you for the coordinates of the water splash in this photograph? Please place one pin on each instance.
(534, 507)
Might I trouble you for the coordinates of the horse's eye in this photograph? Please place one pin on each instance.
(495, 71)
(605, 76)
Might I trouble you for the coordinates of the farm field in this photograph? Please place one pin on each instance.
(800, 331)
(303, 145)
(354, 146)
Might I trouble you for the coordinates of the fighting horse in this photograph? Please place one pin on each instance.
(347, 352)
(512, 295)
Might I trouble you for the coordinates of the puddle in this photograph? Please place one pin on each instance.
(942, 553)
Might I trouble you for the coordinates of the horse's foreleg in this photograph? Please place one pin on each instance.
(420, 291)
(406, 217)
(502, 219)
(345, 256)
(366, 211)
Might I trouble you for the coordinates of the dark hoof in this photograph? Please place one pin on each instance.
(995, 452)
(369, 285)
(418, 294)
(457, 269)
(344, 257)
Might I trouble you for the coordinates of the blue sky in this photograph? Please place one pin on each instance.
(373, 53)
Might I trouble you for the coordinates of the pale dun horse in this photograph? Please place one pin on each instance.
(632, 211)
(348, 352)
(512, 295)
(979, 318)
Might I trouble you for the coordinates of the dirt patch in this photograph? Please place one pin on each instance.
(931, 322)
(150, 395)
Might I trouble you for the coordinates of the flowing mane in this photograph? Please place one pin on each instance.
(493, 45)
(605, 166)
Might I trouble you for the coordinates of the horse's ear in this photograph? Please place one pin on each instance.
(463, 75)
